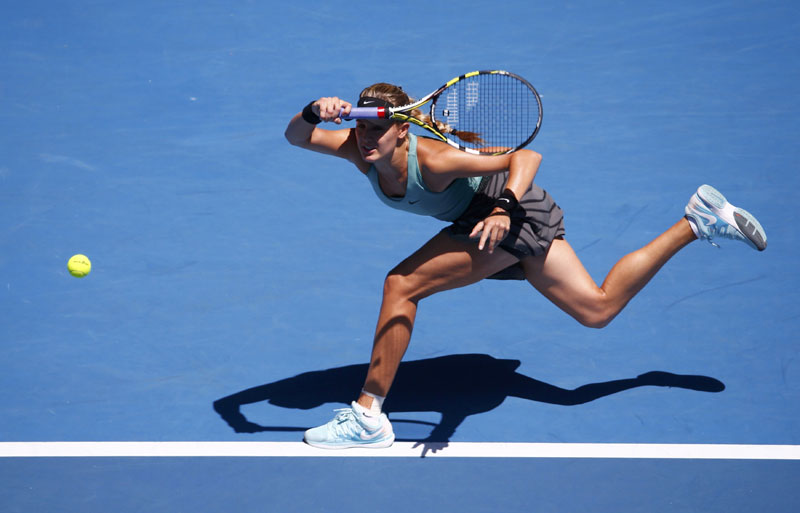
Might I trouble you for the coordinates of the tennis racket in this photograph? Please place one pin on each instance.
(482, 112)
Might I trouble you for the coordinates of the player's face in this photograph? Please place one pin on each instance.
(377, 138)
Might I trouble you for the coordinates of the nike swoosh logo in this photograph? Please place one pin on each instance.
(368, 102)
(711, 219)
(413, 202)
(366, 435)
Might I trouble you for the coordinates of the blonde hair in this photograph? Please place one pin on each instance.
(397, 97)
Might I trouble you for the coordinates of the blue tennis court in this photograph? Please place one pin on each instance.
(236, 279)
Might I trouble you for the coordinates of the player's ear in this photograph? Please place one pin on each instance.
(402, 130)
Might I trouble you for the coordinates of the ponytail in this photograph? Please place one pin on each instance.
(396, 96)
(468, 137)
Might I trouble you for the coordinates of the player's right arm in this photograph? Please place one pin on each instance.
(340, 143)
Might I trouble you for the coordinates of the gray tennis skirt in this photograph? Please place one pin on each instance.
(534, 223)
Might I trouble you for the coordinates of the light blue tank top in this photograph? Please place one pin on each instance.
(446, 205)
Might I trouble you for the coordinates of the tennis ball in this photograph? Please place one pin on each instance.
(79, 266)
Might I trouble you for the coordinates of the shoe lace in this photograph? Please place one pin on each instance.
(344, 423)
(725, 231)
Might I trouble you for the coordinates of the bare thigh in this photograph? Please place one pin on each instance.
(560, 276)
(444, 263)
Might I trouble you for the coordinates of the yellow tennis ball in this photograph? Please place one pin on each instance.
(79, 266)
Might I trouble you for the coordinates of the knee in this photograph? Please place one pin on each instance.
(597, 318)
(396, 285)
(403, 287)
(595, 322)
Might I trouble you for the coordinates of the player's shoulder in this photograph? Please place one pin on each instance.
(431, 144)
(439, 157)
(429, 148)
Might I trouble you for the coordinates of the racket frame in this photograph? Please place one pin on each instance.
(401, 113)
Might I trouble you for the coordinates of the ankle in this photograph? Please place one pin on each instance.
(371, 402)
(693, 226)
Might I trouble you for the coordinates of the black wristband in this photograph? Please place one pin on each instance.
(309, 116)
(507, 201)
(500, 213)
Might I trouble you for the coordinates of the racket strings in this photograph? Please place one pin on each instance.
(489, 113)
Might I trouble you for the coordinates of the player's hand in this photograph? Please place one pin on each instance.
(331, 109)
(493, 230)
(430, 446)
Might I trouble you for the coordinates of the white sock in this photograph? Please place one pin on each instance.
(694, 226)
(377, 402)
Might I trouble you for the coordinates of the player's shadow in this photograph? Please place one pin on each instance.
(456, 386)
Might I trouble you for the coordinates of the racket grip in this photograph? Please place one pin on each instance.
(364, 113)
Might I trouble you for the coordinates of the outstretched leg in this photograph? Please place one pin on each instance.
(441, 264)
(560, 276)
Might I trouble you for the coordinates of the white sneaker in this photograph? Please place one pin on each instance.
(713, 217)
(352, 427)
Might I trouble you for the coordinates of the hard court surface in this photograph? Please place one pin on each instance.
(231, 269)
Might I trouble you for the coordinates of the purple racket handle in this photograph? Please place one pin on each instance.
(365, 113)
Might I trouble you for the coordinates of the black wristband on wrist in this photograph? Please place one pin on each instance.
(309, 116)
(507, 201)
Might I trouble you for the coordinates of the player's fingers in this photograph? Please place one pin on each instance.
(476, 230)
(328, 113)
(484, 236)
(499, 230)
(329, 108)
(343, 109)
(493, 239)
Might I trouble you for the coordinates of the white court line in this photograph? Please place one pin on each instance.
(398, 450)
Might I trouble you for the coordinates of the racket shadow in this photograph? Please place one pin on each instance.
(455, 386)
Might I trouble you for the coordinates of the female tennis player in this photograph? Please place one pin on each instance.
(502, 226)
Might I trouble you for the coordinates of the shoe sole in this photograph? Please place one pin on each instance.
(739, 217)
(377, 445)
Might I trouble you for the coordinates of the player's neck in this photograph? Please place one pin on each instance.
(394, 166)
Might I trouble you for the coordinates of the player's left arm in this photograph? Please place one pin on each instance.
(446, 163)
(449, 163)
